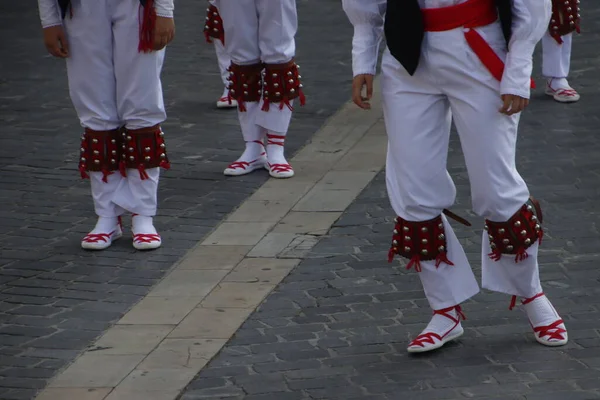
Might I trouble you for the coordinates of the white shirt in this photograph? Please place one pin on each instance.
(530, 22)
(50, 11)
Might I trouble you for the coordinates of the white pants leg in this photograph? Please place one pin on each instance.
(556, 58)
(488, 139)
(240, 21)
(264, 30)
(223, 60)
(139, 101)
(417, 118)
(92, 86)
(278, 24)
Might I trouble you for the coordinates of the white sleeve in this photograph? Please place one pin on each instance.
(367, 17)
(164, 8)
(49, 13)
(530, 21)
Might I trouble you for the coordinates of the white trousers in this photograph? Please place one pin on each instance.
(451, 84)
(223, 60)
(255, 31)
(112, 85)
(556, 58)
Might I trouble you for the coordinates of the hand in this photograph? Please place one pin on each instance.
(513, 104)
(358, 83)
(164, 32)
(55, 40)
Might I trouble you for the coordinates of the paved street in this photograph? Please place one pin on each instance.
(55, 299)
(337, 326)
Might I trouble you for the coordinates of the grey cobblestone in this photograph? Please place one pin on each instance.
(358, 312)
(54, 297)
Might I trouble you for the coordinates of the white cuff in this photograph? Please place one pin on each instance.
(365, 49)
(164, 8)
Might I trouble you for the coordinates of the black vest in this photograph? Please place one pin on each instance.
(64, 5)
(404, 29)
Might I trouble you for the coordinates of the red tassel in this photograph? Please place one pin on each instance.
(416, 262)
(143, 173)
(521, 255)
(442, 258)
(165, 164)
(495, 255)
(513, 302)
(147, 25)
(266, 103)
(123, 169)
(302, 98)
(285, 102)
(84, 174)
(105, 174)
(391, 255)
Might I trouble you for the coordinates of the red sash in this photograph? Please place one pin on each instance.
(471, 14)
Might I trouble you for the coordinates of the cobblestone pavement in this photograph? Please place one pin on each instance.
(337, 327)
(55, 299)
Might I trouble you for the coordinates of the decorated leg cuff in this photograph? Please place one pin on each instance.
(142, 149)
(245, 83)
(516, 235)
(282, 85)
(213, 29)
(99, 152)
(420, 241)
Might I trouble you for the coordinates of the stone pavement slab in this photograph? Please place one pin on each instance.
(338, 325)
(159, 360)
(56, 299)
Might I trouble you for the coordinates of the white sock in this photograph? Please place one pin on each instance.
(276, 149)
(142, 224)
(558, 83)
(254, 150)
(440, 324)
(541, 312)
(225, 93)
(105, 225)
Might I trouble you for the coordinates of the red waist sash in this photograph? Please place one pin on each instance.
(469, 15)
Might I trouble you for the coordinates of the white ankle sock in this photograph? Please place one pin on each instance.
(276, 149)
(440, 324)
(558, 83)
(142, 224)
(541, 312)
(106, 225)
(254, 150)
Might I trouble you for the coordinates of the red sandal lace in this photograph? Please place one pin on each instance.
(98, 237)
(429, 337)
(552, 331)
(146, 237)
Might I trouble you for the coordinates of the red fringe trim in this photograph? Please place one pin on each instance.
(105, 174)
(416, 262)
(521, 255)
(142, 171)
(123, 168)
(513, 302)
(442, 258)
(495, 255)
(302, 98)
(165, 164)
(391, 255)
(241, 104)
(147, 26)
(83, 173)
